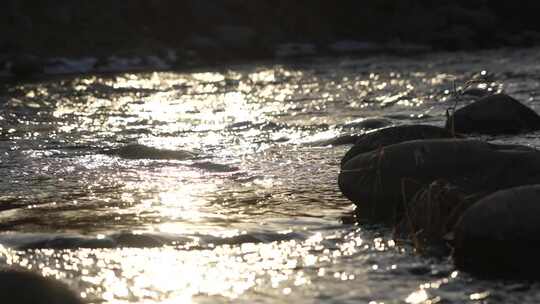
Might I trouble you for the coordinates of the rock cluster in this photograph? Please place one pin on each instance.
(436, 185)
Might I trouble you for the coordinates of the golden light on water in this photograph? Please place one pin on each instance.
(170, 274)
(269, 227)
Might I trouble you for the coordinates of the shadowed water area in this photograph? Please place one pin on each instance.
(207, 186)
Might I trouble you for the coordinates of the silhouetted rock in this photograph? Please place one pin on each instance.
(499, 236)
(494, 114)
(381, 181)
(24, 287)
(393, 135)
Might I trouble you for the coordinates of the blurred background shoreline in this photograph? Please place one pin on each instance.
(184, 33)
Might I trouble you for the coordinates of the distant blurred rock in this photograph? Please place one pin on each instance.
(202, 42)
(354, 46)
(236, 37)
(295, 50)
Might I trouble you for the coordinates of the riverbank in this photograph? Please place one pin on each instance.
(188, 33)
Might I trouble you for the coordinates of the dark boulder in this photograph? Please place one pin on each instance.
(393, 135)
(24, 287)
(494, 114)
(380, 182)
(499, 234)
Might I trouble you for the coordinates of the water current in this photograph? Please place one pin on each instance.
(215, 185)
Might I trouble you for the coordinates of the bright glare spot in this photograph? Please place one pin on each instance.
(417, 297)
(479, 296)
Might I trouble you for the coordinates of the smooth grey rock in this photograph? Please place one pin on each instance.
(23, 287)
(494, 114)
(499, 234)
(381, 181)
(388, 136)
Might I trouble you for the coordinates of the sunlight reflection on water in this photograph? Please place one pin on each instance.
(254, 216)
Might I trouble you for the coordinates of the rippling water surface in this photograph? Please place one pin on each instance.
(209, 186)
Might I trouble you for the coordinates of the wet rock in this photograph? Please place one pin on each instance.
(368, 123)
(393, 135)
(350, 139)
(134, 240)
(498, 235)
(476, 92)
(69, 66)
(402, 48)
(494, 114)
(381, 181)
(22, 287)
(137, 151)
(354, 46)
(347, 139)
(64, 242)
(214, 167)
(295, 50)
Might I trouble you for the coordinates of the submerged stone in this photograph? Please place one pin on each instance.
(24, 287)
(393, 135)
(494, 114)
(499, 234)
(137, 151)
(381, 182)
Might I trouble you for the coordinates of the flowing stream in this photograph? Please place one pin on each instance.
(212, 186)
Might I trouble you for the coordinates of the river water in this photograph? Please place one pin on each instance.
(253, 213)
